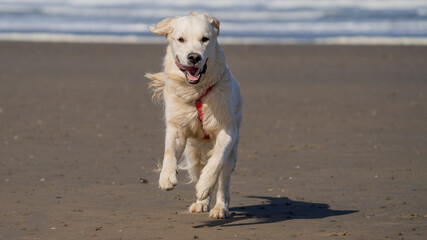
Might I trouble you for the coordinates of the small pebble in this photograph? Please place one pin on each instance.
(143, 180)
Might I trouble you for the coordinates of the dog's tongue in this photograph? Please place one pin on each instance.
(192, 72)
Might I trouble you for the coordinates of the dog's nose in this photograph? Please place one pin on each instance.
(194, 58)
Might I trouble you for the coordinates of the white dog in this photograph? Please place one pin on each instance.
(203, 109)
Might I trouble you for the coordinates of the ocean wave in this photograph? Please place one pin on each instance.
(287, 4)
(87, 38)
(289, 20)
(402, 27)
(125, 12)
(350, 27)
(75, 27)
(149, 15)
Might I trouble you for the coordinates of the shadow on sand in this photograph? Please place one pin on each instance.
(273, 210)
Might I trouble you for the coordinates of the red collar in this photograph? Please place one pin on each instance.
(199, 106)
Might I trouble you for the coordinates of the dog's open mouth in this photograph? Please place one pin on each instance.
(192, 73)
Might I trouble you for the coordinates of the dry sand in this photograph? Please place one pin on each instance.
(333, 145)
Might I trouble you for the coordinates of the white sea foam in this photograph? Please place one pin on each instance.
(262, 29)
(368, 27)
(358, 40)
(363, 4)
(85, 38)
(75, 27)
(244, 15)
(375, 40)
(287, 4)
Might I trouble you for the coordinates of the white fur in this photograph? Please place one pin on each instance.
(207, 161)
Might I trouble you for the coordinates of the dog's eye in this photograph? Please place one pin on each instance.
(181, 39)
(205, 39)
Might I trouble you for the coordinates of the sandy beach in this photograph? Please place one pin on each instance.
(333, 145)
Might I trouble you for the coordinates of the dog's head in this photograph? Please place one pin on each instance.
(192, 40)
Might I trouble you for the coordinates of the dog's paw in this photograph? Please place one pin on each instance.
(199, 207)
(219, 212)
(205, 186)
(168, 180)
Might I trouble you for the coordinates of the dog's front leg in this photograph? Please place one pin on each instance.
(209, 176)
(174, 147)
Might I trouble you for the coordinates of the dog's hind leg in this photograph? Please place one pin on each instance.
(194, 167)
(192, 162)
(223, 196)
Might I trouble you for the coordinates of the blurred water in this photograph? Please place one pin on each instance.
(302, 21)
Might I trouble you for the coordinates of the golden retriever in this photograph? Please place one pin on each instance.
(203, 110)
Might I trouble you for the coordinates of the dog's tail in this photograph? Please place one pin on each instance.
(156, 85)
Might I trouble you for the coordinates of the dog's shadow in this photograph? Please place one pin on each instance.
(273, 210)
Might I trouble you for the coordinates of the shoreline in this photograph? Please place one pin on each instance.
(109, 39)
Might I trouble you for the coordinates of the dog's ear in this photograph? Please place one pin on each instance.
(163, 28)
(215, 23)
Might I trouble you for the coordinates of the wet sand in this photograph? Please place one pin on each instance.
(333, 145)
